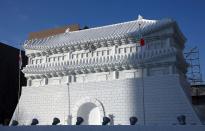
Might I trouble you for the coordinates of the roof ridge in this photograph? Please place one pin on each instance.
(98, 27)
(105, 26)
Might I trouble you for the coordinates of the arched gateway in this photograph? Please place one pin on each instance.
(91, 110)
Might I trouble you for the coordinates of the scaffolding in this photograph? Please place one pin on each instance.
(194, 74)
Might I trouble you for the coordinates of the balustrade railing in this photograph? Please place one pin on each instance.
(110, 60)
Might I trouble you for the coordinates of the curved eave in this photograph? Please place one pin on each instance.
(183, 38)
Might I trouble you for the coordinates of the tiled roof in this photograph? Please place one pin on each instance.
(98, 34)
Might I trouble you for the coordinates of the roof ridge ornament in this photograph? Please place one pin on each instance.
(140, 17)
(67, 30)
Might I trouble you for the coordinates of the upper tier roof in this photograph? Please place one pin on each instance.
(98, 34)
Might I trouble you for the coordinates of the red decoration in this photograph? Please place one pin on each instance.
(142, 42)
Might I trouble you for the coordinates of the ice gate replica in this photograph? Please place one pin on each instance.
(103, 71)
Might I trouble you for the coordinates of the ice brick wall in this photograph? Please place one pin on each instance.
(164, 100)
(43, 103)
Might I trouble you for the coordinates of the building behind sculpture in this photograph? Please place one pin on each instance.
(104, 71)
(198, 100)
(52, 32)
(9, 81)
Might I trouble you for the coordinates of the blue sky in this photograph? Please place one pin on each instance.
(19, 17)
